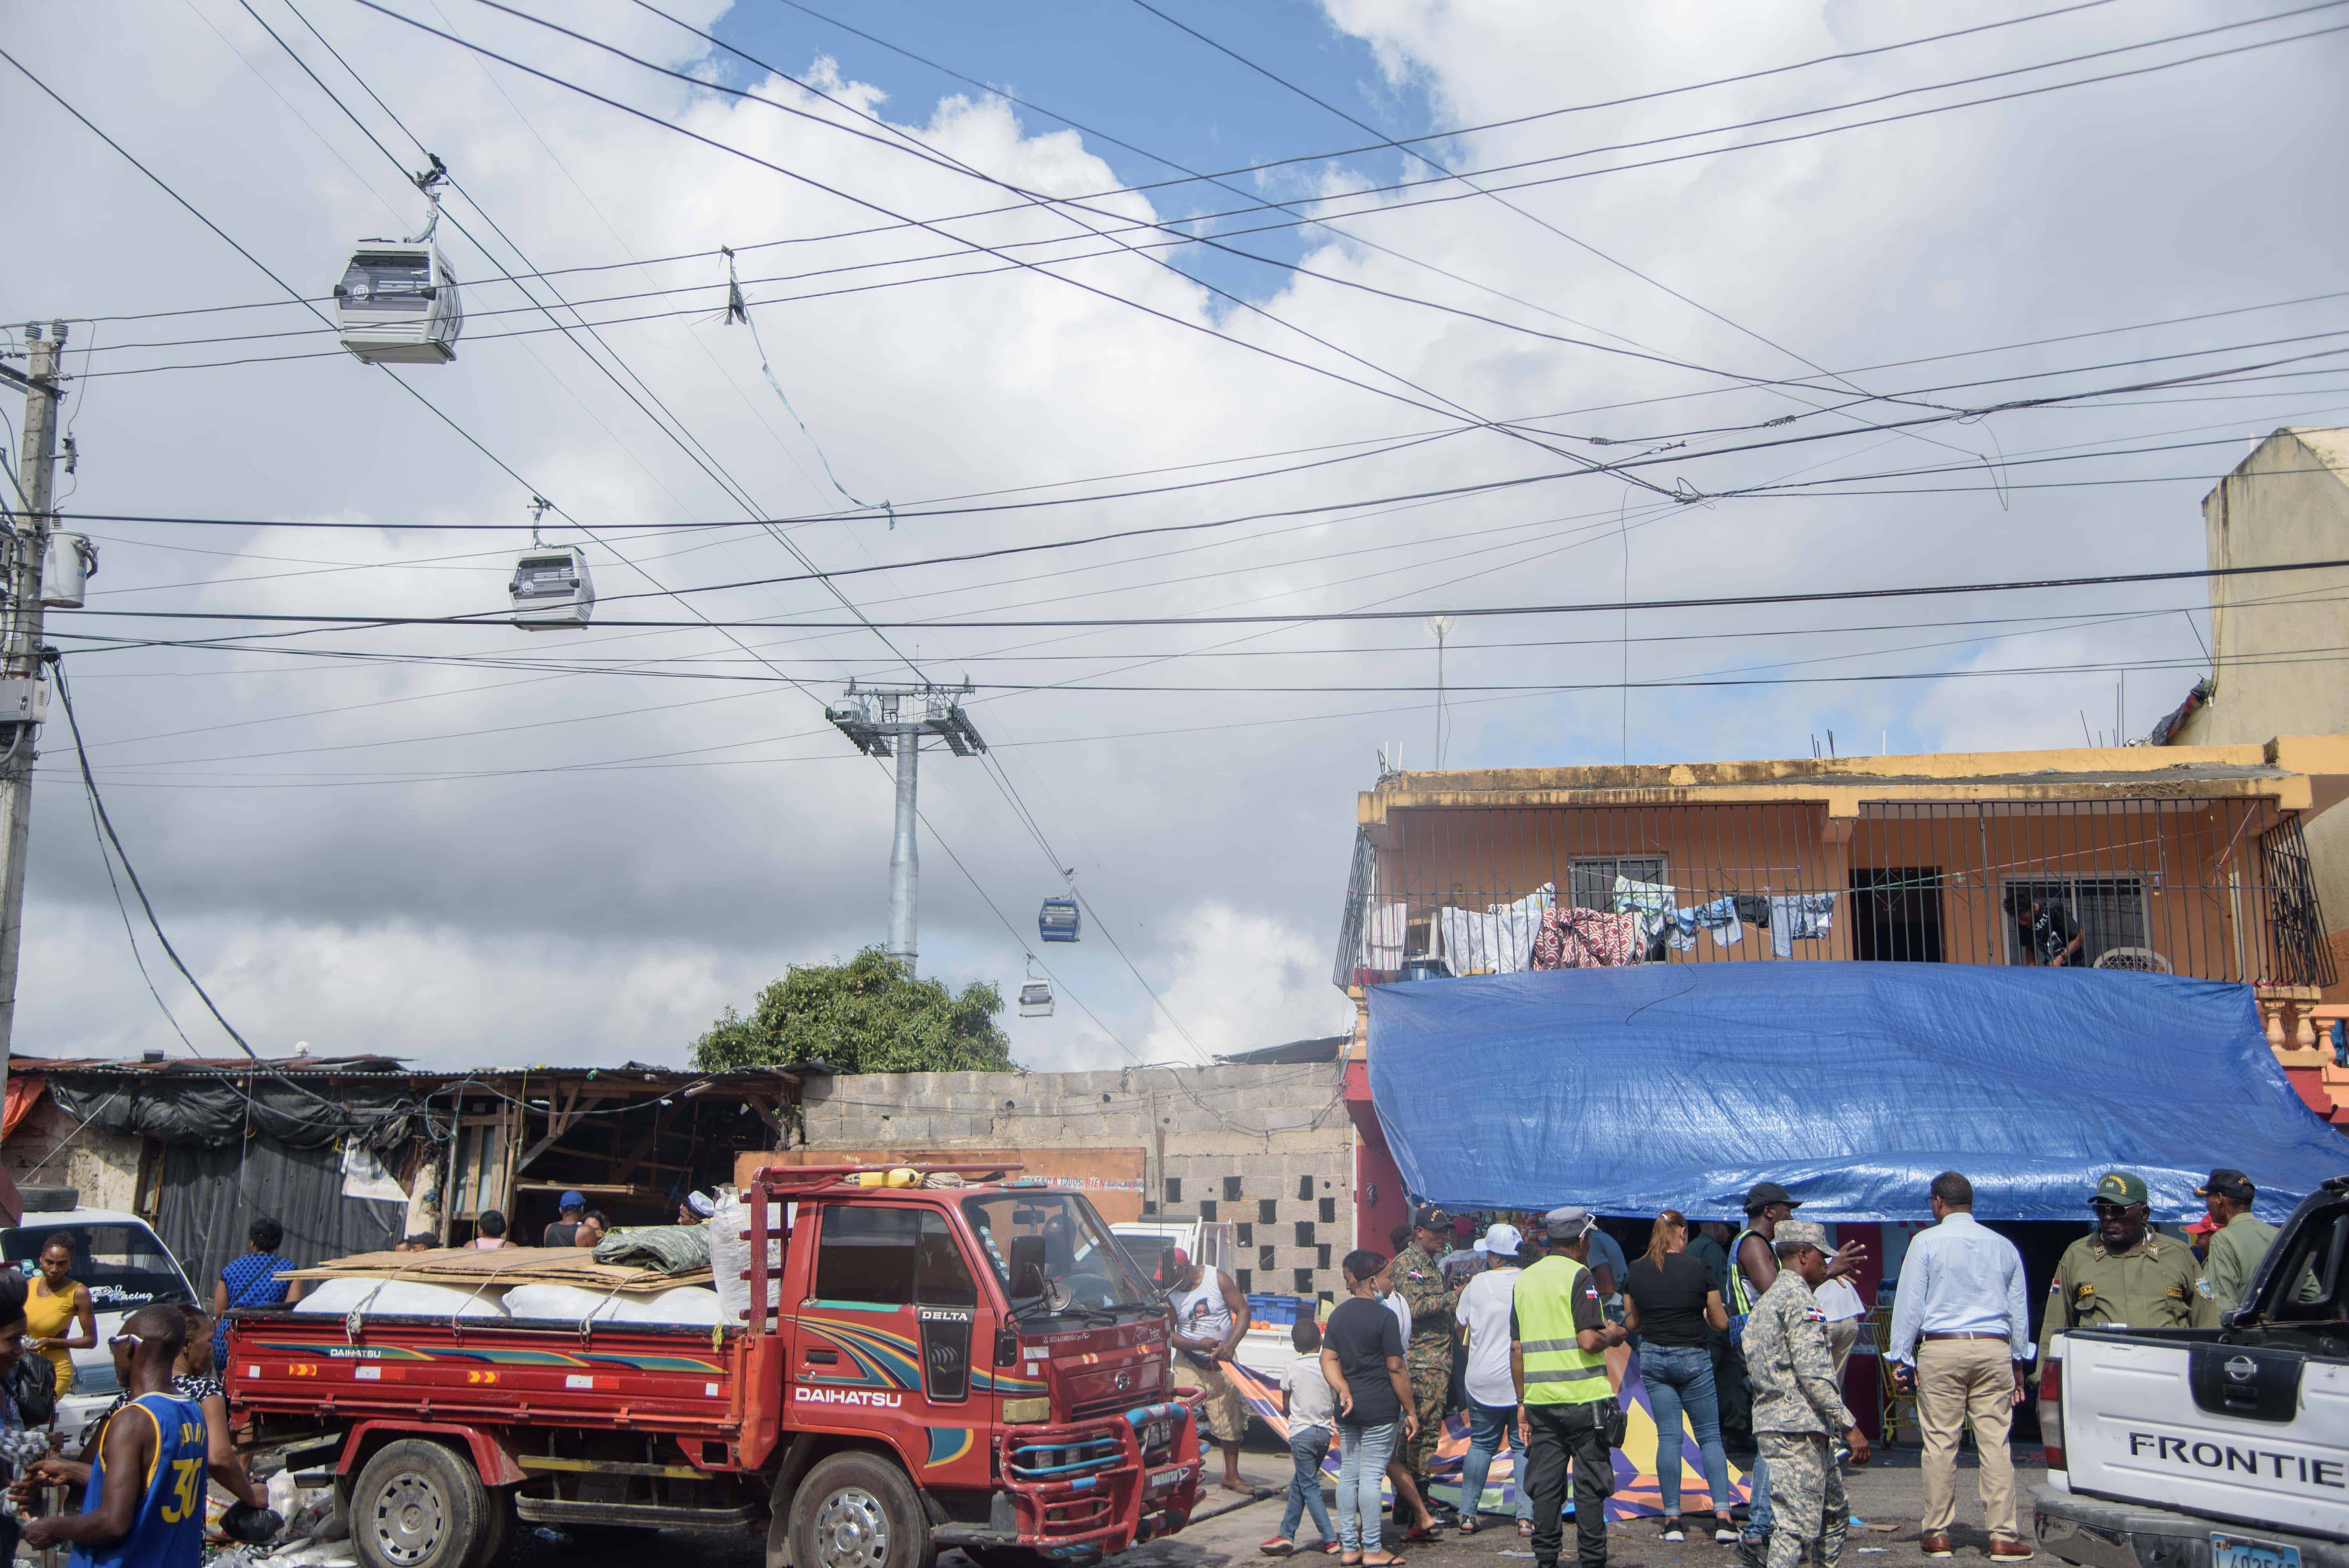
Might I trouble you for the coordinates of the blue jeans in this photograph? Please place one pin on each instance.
(1680, 1377)
(1759, 1517)
(1307, 1446)
(1489, 1427)
(1364, 1466)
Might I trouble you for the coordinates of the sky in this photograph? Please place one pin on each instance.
(1009, 361)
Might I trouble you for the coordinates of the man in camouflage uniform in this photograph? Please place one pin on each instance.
(1798, 1409)
(1419, 1280)
(2127, 1272)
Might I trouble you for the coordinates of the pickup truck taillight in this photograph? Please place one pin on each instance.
(2050, 1411)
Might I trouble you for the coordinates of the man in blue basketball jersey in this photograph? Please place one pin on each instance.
(143, 1499)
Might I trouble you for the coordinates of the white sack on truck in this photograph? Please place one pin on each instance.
(404, 1297)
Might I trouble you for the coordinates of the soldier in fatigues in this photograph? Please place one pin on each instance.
(1419, 1280)
(2125, 1273)
(1798, 1409)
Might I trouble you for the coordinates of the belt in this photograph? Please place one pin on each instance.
(1964, 1334)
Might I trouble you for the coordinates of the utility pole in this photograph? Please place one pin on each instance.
(24, 695)
(890, 721)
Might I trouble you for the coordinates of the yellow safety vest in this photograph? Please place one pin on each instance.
(1558, 1371)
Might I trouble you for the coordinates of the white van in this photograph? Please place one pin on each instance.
(126, 1266)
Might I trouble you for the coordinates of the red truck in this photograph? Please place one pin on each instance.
(977, 1366)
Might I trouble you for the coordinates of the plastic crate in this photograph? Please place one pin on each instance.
(1280, 1311)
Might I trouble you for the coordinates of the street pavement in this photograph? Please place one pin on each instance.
(1889, 1491)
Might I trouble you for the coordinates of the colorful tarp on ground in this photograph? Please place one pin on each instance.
(1678, 1086)
(1637, 1494)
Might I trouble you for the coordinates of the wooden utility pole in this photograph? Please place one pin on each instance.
(24, 694)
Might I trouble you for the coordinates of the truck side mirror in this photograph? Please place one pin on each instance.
(1026, 1267)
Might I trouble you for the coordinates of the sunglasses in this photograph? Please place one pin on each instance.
(2106, 1206)
(125, 1339)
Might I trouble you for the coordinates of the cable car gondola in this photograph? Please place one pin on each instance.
(552, 590)
(1036, 1000)
(398, 302)
(1058, 921)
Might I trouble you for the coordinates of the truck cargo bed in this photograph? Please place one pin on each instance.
(656, 1376)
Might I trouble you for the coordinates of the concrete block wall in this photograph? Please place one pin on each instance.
(1267, 1148)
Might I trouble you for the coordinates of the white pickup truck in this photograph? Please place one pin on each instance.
(2225, 1448)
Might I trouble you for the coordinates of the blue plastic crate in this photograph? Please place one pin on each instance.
(1278, 1310)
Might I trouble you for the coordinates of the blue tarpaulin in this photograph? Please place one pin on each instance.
(1679, 1084)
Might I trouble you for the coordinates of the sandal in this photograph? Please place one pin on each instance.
(1468, 1525)
(1417, 1533)
(1526, 1527)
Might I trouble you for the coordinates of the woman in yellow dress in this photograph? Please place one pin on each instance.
(57, 1310)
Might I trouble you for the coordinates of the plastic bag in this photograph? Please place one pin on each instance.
(682, 1304)
(407, 1297)
(729, 1259)
(563, 1303)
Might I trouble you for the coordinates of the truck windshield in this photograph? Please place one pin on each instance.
(1050, 1249)
(123, 1264)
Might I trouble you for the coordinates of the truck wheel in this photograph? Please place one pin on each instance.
(418, 1505)
(858, 1511)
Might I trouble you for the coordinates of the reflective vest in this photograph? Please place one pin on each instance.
(1558, 1371)
(1742, 1294)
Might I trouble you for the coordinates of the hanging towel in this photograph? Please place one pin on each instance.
(1804, 916)
(1498, 940)
(1652, 902)
(1587, 939)
(1720, 917)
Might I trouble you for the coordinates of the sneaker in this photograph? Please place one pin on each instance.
(1279, 1546)
(1672, 1529)
(1724, 1532)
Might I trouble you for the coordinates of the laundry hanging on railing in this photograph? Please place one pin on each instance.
(1587, 939)
(1496, 940)
(1652, 902)
(1801, 916)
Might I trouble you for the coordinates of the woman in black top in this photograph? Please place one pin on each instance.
(1669, 1301)
(1362, 1356)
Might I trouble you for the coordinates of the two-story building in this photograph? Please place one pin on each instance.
(2185, 860)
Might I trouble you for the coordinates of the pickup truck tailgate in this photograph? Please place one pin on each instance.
(2251, 1435)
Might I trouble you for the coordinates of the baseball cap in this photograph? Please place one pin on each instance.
(2123, 1186)
(572, 1201)
(701, 1204)
(2227, 1184)
(1428, 1217)
(1761, 1194)
(2202, 1225)
(1802, 1233)
(1174, 1260)
(1503, 1239)
(1568, 1223)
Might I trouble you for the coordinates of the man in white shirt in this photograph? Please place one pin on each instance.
(1483, 1313)
(1961, 1339)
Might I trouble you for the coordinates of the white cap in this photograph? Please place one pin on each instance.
(1500, 1239)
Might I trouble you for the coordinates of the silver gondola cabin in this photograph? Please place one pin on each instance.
(398, 302)
(552, 589)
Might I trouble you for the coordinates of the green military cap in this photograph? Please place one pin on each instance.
(1802, 1232)
(2122, 1187)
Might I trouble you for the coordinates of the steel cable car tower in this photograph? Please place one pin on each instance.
(890, 721)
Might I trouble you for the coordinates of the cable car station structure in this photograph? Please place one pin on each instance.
(891, 721)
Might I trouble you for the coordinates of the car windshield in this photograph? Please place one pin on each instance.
(121, 1260)
(1051, 1248)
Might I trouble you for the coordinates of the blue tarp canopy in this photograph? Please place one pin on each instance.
(1678, 1086)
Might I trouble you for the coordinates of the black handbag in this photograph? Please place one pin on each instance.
(34, 1386)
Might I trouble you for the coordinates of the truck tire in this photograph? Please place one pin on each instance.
(857, 1510)
(418, 1504)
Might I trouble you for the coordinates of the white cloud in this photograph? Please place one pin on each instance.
(408, 855)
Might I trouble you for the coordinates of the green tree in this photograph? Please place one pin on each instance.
(867, 1016)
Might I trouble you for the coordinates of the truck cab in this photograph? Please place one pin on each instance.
(2225, 1448)
(939, 1361)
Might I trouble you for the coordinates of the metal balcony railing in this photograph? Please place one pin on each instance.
(2214, 888)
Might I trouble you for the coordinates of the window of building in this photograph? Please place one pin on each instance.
(1591, 881)
(1896, 914)
(2109, 912)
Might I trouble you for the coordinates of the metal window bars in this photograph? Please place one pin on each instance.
(2216, 888)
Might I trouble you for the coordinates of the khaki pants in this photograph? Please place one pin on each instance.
(1962, 1380)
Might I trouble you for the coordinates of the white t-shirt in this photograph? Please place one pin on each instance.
(1402, 1309)
(1311, 1401)
(1484, 1307)
(1200, 1312)
(1838, 1298)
